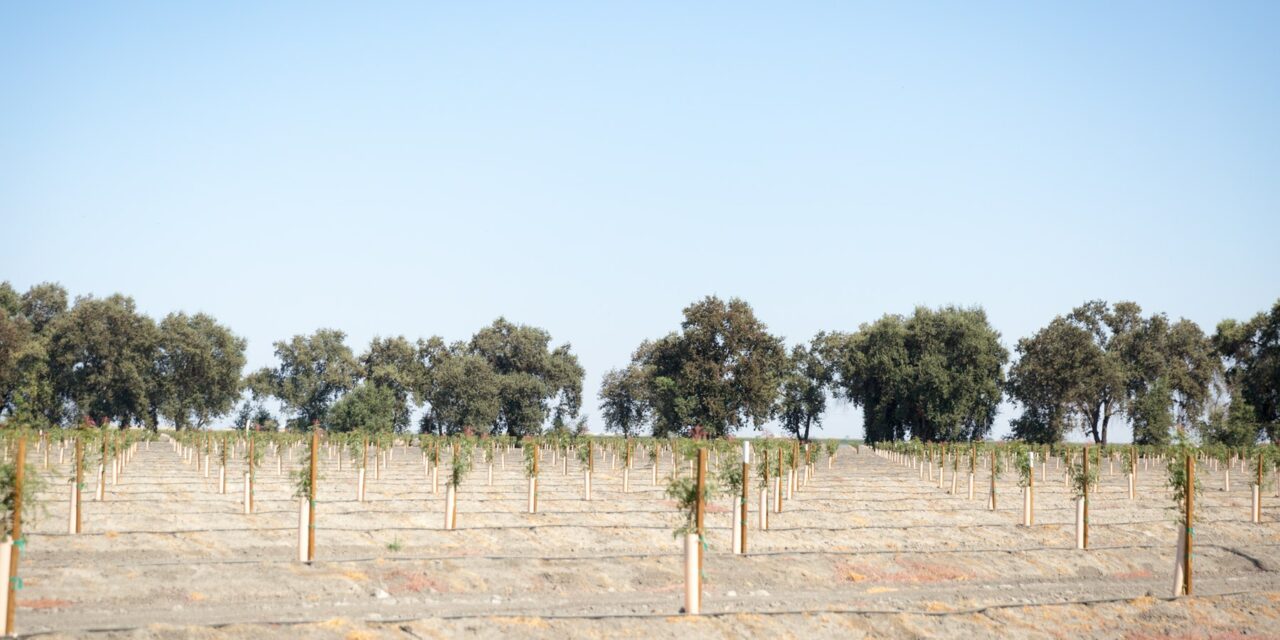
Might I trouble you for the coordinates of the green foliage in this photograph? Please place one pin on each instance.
(460, 388)
(721, 372)
(302, 477)
(625, 401)
(533, 381)
(314, 371)
(1270, 459)
(937, 375)
(767, 462)
(460, 464)
(831, 447)
(684, 491)
(1080, 481)
(803, 397)
(197, 369)
(357, 447)
(253, 455)
(1022, 462)
(530, 451)
(392, 364)
(254, 416)
(1252, 352)
(1100, 359)
(1150, 414)
(101, 356)
(1177, 476)
(32, 484)
(27, 392)
(368, 407)
(729, 474)
(1234, 425)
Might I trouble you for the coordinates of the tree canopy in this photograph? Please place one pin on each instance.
(198, 365)
(102, 356)
(534, 381)
(1102, 361)
(1251, 351)
(393, 364)
(368, 407)
(802, 398)
(459, 388)
(624, 401)
(936, 376)
(720, 373)
(314, 371)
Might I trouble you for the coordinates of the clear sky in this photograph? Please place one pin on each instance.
(591, 168)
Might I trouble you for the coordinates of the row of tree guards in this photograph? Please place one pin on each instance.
(778, 467)
(1080, 471)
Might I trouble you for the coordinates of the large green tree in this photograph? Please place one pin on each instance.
(535, 382)
(1172, 366)
(873, 370)
(803, 396)
(101, 357)
(1234, 424)
(368, 407)
(314, 371)
(393, 364)
(198, 366)
(16, 339)
(624, 401)
(720, 373)
(1103, 361)
(936, 376)
(1252, 353)
(1043, 378)
(27, 393)
(460, 389)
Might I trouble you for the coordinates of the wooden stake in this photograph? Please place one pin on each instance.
(1086, 496)
(993, 479)
(746, 466)
(1190, 504)
(701, 508)
(19, 478)
(250, 473)
(311, 499)
(79, 480)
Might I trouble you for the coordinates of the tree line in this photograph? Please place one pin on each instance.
(940, 375)
(99, 360)
(935, 375)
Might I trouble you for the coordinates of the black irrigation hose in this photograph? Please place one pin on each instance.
(669, 555)
(651, 616)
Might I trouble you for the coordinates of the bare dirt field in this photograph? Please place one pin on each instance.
(867, 549)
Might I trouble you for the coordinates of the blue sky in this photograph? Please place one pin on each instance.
(591, 168)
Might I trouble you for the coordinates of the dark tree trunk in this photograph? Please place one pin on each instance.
(1093, 423)
(1106, 419)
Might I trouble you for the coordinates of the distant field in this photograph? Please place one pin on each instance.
(866, 549)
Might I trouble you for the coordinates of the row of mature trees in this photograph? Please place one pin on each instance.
(939, 375)
(102, 360)
(936, 375)
(506, 380)
(1101, 362)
